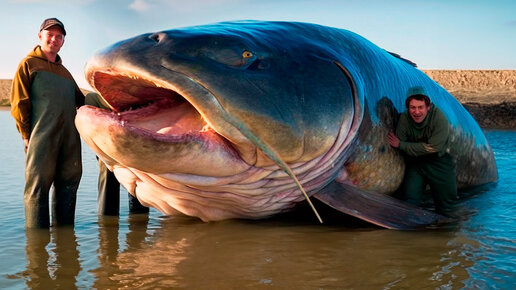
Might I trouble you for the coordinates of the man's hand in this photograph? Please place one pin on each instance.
(393, 140)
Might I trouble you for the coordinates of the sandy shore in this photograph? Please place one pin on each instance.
(5, 91)
(477, 86)
(489, 95)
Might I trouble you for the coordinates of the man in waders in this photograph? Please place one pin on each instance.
(108, 202)
(44, 100)
(422, 135)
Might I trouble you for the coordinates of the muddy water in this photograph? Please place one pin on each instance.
(153, 251)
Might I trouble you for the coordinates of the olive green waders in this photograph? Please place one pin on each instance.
(438, 173)
(54, 153)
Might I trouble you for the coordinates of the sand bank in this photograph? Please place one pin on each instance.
(489, 95)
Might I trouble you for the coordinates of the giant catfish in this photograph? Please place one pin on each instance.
(248, 119)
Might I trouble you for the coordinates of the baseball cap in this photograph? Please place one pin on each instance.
(49, 22)
(417, 90)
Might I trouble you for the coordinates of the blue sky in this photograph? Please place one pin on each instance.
(435, 34)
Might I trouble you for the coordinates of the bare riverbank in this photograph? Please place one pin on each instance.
(489, 95)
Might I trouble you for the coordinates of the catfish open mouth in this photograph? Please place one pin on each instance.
(151, 127)
(124, 92)
(141, 103)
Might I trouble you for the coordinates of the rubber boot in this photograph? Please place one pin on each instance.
(109, 192)
(135, 206)
(64, 198)
(37, 214)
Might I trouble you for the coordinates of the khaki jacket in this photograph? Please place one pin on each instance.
(21, 90)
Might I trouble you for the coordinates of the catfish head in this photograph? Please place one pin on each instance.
(230, 120)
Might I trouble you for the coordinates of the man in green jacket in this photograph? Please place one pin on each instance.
(423, 135)
(44, 100)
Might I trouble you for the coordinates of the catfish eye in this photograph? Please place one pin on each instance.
(247, 54)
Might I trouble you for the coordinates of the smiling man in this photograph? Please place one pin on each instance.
(423, 136)
(44, 99)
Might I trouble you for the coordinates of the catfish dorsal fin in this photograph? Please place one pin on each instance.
(402, 58)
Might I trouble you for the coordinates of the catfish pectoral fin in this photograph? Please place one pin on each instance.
(379, 209)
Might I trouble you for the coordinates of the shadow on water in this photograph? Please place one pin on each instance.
(288, 251)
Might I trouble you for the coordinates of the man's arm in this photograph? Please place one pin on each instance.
(436, 142)
(95, 100)
(79, 96)
(21, 107)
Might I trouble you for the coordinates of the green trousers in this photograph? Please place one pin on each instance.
(438, 173)
(53, 157)
(52, 163)
(109, 194)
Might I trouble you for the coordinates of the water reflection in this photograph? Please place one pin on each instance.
(109, 274)
(182, 252)
(52, 258)
(108, 249)
(37, 273)
(156, 252)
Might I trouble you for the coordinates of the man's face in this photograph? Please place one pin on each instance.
(418, 110)
(51, 39)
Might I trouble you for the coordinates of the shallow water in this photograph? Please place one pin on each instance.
(292, 251)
